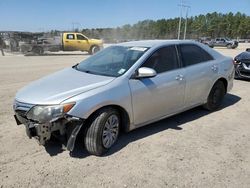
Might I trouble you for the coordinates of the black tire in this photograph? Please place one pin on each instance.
(37, 50)
(229, 46)
(93, 139)
(215, 96)
(24, 49)
(94, 49)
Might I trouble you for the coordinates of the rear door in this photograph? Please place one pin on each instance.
(221, 42)
(218, 42)
(163, 94)
(201, 71)
(70, 42)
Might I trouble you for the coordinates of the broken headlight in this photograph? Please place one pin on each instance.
(43, 114)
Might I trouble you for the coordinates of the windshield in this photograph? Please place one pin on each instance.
(112, 61)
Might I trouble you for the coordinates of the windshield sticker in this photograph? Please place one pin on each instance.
(142, 49)
(121, 71)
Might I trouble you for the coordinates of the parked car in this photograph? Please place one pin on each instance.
(123, 87)
(207, 41)
(242, 65)
(224, 42)
(67, 42)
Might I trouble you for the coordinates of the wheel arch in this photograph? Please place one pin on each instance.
(125, 119)
(91, 48)
(224, 81)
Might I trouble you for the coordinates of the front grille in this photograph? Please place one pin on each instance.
(245, 74)
(21, 113)
(246, 61)
(21, 109)
(247, 64)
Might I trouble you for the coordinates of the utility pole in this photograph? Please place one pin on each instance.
(185, 30)
(182, 5)
(179, 28)
(75, 24)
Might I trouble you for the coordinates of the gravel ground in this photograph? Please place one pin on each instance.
(192, 149)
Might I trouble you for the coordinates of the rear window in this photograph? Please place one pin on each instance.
(193, 54)
(70, 36)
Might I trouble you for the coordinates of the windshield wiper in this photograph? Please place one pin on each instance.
(96, 73)
(75, 66)
(86, 71)
(91, 72)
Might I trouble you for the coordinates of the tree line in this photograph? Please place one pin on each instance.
(210, 25)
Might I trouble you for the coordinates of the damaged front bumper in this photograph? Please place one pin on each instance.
(242, 70)
(68, 127)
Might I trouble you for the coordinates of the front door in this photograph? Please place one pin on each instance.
(82, 43)
(162, 95)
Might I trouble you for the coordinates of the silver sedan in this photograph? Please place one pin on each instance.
(123, 87)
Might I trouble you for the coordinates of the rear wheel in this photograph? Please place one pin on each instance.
(103, 131)
(38, 50)
(215, 96)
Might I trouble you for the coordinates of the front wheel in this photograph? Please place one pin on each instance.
(215, 96)
(103, 131)
(94, 49)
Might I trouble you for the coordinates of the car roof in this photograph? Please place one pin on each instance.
(159, 43)
(153, 43)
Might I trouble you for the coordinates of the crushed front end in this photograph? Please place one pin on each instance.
(242, 65)
(242, 68)
(42, 122)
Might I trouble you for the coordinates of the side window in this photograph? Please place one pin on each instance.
(164, 59)
(70, 36)
(192, 54)
(80, 37)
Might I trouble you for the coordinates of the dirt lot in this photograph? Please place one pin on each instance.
(193, 149)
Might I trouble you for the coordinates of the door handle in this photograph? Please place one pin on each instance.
(214, 68)
(179, 77)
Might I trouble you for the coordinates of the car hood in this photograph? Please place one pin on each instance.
(62, 85)
(243, 55)
(96, 41)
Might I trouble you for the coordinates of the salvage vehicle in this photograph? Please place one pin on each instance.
(67, 42)
(224, 42)
(242, 65)
(123, 87)
(207, 41)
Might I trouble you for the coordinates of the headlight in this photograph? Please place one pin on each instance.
(236, 62)
(44, 114)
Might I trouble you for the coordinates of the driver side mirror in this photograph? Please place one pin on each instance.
(145, 72)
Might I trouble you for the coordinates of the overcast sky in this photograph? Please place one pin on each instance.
(44, 15)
